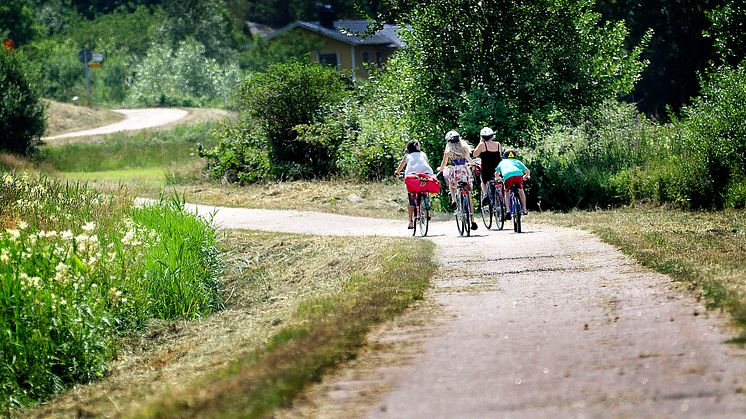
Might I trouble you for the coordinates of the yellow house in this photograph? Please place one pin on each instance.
(344, 48)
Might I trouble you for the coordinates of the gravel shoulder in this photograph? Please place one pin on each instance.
(548, 322)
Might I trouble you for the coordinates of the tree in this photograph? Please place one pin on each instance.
(16, 21)
(512, 65)
(729, 31)
(22, 120)
(678, 49)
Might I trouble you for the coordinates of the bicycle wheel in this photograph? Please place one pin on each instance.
(466, 214)
(423, 207)
(516, 213)
(500, 214)
(487, 212)
(459, 211)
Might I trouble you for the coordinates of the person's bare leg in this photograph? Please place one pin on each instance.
(410, 210)
(523, 200)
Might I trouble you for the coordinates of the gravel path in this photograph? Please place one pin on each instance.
(135, 119)
(551, 322)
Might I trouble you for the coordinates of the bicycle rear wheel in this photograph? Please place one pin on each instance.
(500, 214)
(423, 207)
(465, 218)
(487, 212)
(517, 211)
(459, 211)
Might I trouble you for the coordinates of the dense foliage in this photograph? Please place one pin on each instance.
(271, 105)
(21, 113)
(512, 66)
(79, 268)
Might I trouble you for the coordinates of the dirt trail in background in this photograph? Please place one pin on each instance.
(135, 119)
(551, 322)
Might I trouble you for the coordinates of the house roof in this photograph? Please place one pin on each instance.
(346, 31)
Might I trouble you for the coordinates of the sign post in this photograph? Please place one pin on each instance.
(89, 60)
(85, 56)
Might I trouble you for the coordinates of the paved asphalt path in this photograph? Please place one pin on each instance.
(548, 323)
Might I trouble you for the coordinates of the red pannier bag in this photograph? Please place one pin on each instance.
(420, 182)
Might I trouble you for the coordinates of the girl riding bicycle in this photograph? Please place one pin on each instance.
(415, 161)
(457, 152)
(489, 151)
(513, 171)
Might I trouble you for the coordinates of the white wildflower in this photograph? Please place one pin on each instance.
(89, 226)
(22, 225)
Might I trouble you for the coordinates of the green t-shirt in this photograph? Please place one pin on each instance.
(511, 167)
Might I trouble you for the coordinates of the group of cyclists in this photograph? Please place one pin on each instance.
(493, 162)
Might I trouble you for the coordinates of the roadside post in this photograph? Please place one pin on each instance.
(85, 56)
(89, 60)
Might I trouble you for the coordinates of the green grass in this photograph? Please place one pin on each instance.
(704, 250)
(351, 284)
(153, 176)
(79, 268)
(146, 149)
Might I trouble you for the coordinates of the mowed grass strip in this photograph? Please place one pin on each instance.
(705, 250)
(326, 327)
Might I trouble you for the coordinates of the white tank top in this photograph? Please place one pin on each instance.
(417, 163)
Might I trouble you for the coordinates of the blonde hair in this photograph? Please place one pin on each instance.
(457, 151)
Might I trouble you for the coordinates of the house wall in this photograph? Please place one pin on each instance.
(345, 53)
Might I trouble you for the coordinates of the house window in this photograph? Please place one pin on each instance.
(329, 58)
(366, 57)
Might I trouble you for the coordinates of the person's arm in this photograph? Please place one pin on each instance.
(471, 162)
(401, 165)
(444, 162)
(526, 172)
(478, 150)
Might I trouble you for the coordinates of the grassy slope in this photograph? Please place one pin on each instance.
(63, 117)
(295, 306)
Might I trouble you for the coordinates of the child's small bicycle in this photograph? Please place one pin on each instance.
(516, 210)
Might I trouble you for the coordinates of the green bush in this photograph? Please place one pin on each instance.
(615, 157)
(239, 157)
(715, 136)
(22, 120)
(274, 107)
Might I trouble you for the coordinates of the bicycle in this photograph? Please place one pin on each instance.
(463, 209)
(420, 183)
(516, 209)
(495, 207)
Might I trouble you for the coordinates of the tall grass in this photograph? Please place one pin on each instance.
(78, 268)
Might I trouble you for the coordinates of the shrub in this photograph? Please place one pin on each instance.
(715, 136)
(22, 120)
(614, 157)
(273, 105)
(240, 156)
